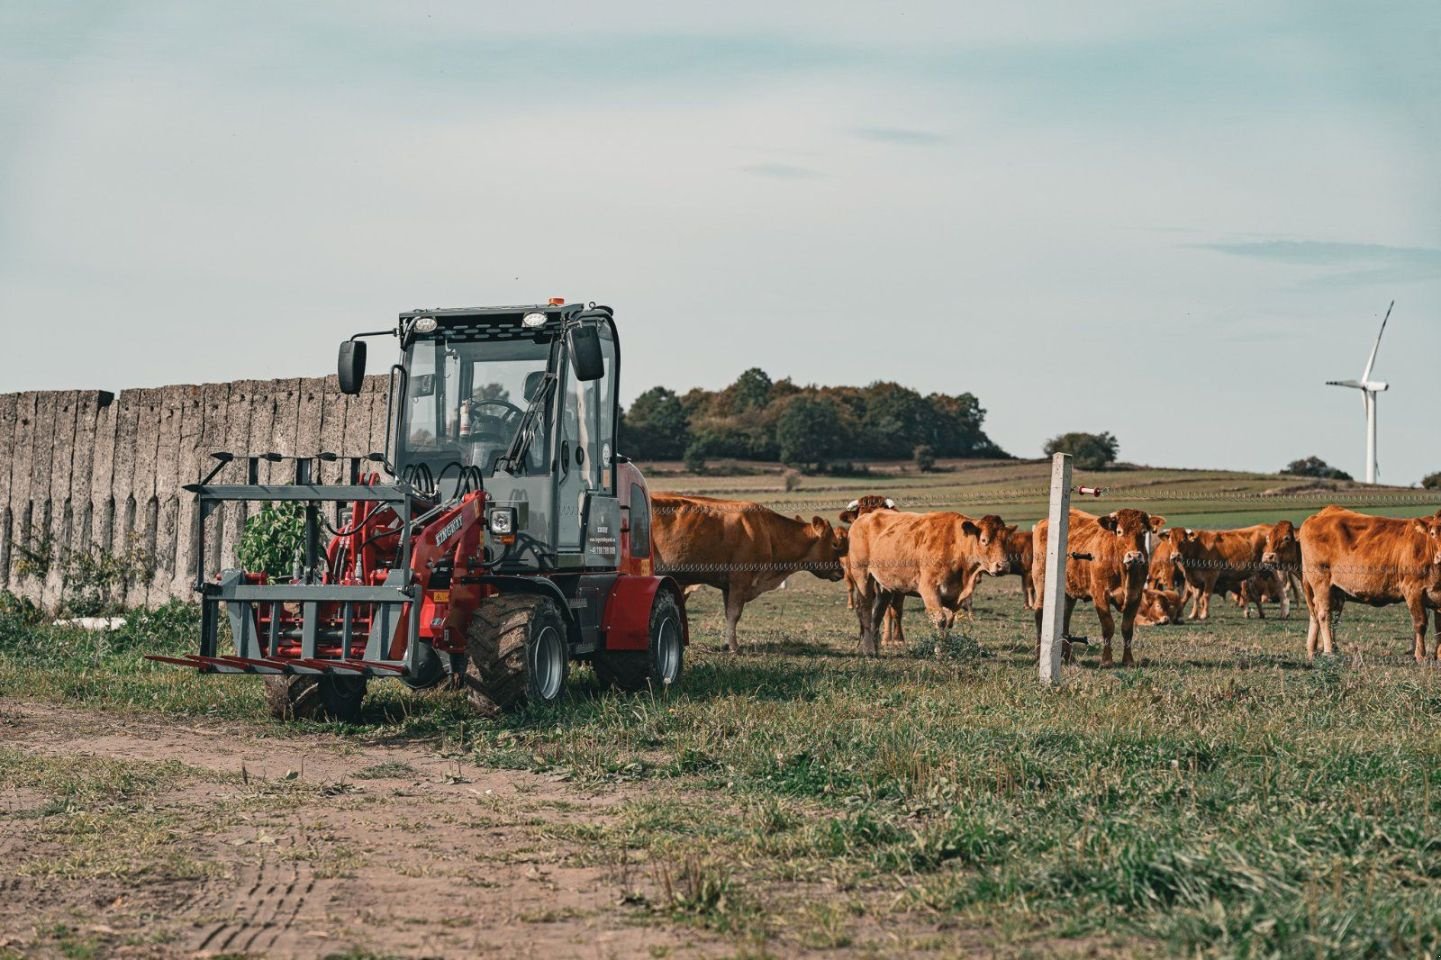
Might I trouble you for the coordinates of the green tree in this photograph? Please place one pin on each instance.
(751, 391)
(655, 427)
(1089, 451)
(808, 431)
(897, 418)
(1314, 467)
(1432, 481)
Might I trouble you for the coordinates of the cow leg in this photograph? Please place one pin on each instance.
(1284, 594)
(1323, 600)
(1128, 628)
(1070, 608)
(940, 617)
(1108, 626)
(1417, 605)
(1313, 625)
(895, 636)
(1192, 593)
(868, 595)
(734, 603)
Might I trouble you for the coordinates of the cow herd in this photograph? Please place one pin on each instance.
(1127, 562)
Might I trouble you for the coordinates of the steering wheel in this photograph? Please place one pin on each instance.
(510, 415)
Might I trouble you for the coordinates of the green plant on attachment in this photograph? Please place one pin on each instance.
(272, 539)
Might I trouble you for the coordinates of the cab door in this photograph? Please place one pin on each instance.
(587, 511)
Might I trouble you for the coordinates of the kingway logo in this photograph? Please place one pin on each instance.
(448, 531)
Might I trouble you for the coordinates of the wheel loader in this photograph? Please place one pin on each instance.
(501, 539)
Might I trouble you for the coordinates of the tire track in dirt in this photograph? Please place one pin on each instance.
(445, 861)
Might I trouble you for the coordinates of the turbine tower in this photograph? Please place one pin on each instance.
(1369, 388)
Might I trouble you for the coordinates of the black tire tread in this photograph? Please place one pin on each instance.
(635, 670)
(318, 698)
(496, 645)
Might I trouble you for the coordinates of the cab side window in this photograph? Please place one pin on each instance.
(639, 523)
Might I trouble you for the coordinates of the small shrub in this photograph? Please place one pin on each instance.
(792, 480)
(96, 579)
(272, 540)
(955, 648)
(1089, 451)
(1314, 467)
(925, 457)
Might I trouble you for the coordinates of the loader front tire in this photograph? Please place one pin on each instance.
(309, 697)
(518, 646)
(655, 668)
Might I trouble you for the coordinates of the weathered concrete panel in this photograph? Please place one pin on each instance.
(237, 441)
(40, 507)
(213, 440)
(170, 408)
(188, 459)
(8, 406)
(61, 510)
(332, 429)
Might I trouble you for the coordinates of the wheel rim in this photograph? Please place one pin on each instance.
(667, 650)
(547, 663)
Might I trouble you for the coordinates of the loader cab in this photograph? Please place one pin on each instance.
(521, 401)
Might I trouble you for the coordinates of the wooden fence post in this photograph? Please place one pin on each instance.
(1053, 611)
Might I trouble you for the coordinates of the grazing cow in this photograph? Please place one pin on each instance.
(1107, 564)
(1373, 560)
(1160, 607)
(894, 635)
(1216, 560)
(742, 549)
(936, 556)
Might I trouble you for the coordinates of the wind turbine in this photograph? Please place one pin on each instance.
(1369, 388)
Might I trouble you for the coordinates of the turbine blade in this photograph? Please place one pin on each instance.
(1371, 362)
(1345, 383)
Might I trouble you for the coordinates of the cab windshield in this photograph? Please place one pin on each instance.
(466, 400)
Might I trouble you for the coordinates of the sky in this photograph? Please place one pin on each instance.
(1172, 221)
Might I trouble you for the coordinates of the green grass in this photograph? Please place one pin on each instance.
(1226, 798)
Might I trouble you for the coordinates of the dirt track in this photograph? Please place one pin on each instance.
(299, 858)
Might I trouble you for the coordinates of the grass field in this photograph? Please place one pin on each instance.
(1225, 798)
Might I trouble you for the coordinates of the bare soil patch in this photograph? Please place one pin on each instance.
(298, 858)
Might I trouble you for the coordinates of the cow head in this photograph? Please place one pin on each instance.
(993, 539)
(1132, 528)
(1431, 527)
(1165, 568)
(1280, 542)
(1185, 543)
(828, 546)
(865, 505)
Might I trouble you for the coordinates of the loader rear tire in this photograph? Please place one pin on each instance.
(308, 697)
(655, 668)
(519, 648)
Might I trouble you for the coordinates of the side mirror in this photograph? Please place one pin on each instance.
(585, 353)
(351, 368)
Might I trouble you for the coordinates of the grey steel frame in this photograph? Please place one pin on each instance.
(240, 598)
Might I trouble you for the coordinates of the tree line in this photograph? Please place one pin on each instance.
(757, 418)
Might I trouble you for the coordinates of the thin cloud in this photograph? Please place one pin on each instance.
(900, 136)
(782, 171)
(1357, 262)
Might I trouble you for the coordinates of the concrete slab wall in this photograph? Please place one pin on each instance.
(87, 470)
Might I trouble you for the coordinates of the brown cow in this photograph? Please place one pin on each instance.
(1020, 551)
(1107, 564)
(742, 549)
(1373, 560)
(1160, 607)
(936, 556)
(894, 635)
(1019, 555)
(1165, 571)
(1281, 553)
(1216, 560)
